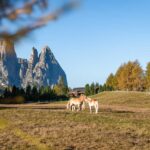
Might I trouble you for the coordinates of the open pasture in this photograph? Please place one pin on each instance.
(123, 122)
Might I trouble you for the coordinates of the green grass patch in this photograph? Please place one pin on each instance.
(131, 99)
(3, 124)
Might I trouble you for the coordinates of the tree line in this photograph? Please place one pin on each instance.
(95, 88)
(34, 94)
(129, 76)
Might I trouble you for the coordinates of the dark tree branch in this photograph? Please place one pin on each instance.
(12, 13)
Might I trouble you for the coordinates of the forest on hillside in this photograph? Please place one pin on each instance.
(13, 95)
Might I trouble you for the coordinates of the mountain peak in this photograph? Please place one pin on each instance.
(9, 71)
(42, 70)
(6, 48)
(34, 57)
(46, 49)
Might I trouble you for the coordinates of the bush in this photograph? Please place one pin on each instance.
(15, 100)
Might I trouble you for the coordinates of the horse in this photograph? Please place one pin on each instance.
(78, 103)
(92, 103)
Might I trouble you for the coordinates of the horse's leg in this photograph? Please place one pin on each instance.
(83, 106)
(96, 108)
(72, 107)
(68, 105)
(79, 107)
(90, 109)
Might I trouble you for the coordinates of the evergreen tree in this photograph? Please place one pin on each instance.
(22, 92)
(14, 91)
(92, 89)
(100, 89)
(41, 90)
(96, 88)
(104, 87)
(34, 93)
(34, 90)
(28, 90)
(6, 93)
(87, 89)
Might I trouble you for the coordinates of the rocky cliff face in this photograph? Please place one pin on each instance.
(9, 67)
(48, 71)
(39, 70)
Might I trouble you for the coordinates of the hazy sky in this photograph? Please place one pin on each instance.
(93, 40)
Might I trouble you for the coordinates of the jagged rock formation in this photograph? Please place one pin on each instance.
(47, 71)
(23, 66)
(34, 57)
(9, 67)
(39, 70)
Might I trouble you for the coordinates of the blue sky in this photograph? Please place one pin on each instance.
(95, 39)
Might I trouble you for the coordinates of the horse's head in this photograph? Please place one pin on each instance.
(87, 99)
(83, 97)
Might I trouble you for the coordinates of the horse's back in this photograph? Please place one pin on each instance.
(75, 99)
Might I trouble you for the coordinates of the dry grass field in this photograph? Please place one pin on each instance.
(123, 122)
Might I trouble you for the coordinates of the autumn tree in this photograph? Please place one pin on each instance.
(60, 88)
(147, 76)
(130, 77)
(111, 81)
(120, 77)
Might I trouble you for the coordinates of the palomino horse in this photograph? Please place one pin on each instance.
(92, 103)
(76, 102)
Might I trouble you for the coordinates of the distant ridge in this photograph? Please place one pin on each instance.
(39, 70)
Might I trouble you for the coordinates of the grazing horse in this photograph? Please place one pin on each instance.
(78, 103)
(92, 103)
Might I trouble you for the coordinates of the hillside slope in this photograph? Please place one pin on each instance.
(122, 98)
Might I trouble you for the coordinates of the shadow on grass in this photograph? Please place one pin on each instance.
(106, 110)
(115, 111)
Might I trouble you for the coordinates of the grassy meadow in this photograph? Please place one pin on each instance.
(123, 122)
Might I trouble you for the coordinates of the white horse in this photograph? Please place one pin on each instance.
(78, 103)
(92, 103)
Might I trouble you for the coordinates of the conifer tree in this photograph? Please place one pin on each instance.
(92, 89)
(87, 89)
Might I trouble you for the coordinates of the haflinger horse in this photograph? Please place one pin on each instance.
(92, 103)
(78, 103)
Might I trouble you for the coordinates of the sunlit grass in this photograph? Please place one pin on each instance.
(3, 124)
(58, 128)
(32, 140)
(132, 99)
